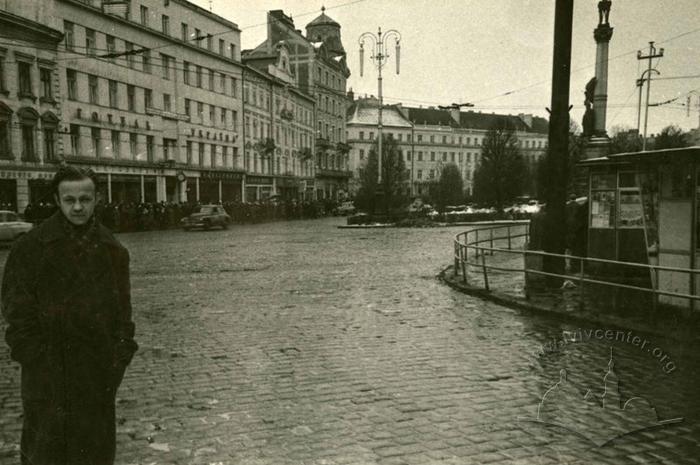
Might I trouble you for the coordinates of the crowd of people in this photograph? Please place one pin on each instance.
(133, 216)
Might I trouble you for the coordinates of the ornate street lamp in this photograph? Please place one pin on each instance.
(380, 58)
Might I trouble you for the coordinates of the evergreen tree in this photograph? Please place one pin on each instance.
(394, 177)
(450, 187)
(499, 176)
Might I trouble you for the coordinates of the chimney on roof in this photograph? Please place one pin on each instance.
(351, 95)
(279, 15)
(527, 119)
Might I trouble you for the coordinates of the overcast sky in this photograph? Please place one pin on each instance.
(497, 54)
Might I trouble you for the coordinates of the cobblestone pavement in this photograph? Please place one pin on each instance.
(301, 343)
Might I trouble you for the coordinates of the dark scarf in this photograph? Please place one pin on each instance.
(84, 238)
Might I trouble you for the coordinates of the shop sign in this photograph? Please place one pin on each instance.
(223, 175)
(126, 178)
(258, 180)
(25, 175)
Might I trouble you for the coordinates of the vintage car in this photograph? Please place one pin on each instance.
(345, 208)
(12, 226)
(206, 217)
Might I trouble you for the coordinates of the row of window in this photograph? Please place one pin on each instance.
(430, 174)
(331, 105)
(97, 144)
(283, 134)
(28, 68)
(137, 95)
(260, 98)
(453, 157)
(150, 19)
(210, 155)
(115, 143)
(28, 128)
(192, 106)
(331, 80)
(192, 74)
(329, 132)
(454, 140)
(281, 165)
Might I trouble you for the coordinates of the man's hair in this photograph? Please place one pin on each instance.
(72, 173)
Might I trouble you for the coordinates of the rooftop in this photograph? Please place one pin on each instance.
(366, 112)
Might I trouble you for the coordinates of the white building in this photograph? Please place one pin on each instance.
(430, 138)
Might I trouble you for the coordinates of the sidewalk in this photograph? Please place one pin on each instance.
(508, 288)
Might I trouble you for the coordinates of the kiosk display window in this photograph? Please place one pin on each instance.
(603, 209)
(631, 212)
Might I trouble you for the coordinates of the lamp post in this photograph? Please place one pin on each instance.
(380, 58)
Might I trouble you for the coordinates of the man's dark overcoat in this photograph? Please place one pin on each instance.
(68, 308)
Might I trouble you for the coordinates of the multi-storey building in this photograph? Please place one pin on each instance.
(278, 128)
(153, 102)
(30, 106)
(318, 61)
(429, 138)
(147, 93)
(362, 120)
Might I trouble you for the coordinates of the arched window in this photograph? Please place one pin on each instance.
(5, 124)
(27, 120)
(49, 125)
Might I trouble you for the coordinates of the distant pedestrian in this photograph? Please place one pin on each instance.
(66, 299)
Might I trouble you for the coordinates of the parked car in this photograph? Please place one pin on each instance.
(345, 208)
(206, 217)
(12, 226)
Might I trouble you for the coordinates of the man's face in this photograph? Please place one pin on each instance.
(76, 199)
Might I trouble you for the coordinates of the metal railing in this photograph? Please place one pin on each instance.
(501, 238)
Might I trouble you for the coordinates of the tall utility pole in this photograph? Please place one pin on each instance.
(555, 218)
(651, 56)
(380, 57)
(640, 84)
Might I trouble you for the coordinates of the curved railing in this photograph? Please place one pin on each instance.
(471, 248)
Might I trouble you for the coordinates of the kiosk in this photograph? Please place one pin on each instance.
(643, 208)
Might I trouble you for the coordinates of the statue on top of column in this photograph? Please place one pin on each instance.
(604, 12)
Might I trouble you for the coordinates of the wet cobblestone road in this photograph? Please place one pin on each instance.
(301, 343)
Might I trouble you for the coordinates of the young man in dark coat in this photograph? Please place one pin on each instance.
(66, 298)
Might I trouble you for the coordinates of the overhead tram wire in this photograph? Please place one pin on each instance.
(160, 47)
(623, 106)
(217, 34)
(510, 92)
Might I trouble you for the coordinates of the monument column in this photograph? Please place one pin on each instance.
(596, 102)
(602, 34)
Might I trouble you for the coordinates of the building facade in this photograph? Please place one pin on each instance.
(278, 128)
(147, 93)
(430, 138)
(30, 106)
(363, 116)
(318, 62)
